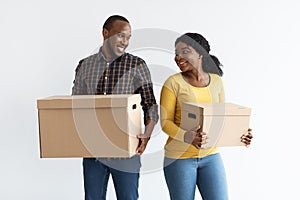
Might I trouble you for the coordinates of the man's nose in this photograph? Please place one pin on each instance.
(125, 41)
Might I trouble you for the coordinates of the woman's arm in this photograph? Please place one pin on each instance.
(167, 114)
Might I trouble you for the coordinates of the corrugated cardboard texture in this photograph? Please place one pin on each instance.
(224, 123)
(89, 125)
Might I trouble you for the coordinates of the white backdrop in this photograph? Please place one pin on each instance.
(257, 41)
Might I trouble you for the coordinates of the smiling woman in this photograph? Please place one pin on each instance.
(189, 60)
(187, 164)
(257, 42)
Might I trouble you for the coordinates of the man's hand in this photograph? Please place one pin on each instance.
(144, 138)
(143, 141)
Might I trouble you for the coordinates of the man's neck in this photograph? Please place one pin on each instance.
(107, 56)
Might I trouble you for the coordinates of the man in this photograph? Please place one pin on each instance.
(112, 71)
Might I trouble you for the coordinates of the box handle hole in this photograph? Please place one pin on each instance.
(191, 115)
(133, 106)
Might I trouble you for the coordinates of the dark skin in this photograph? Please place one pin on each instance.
(116, 40)
(198, 138)
(246, 138)
(144, 138)
(195, 137)
(190, 63)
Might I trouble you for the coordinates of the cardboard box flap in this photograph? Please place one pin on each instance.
(224, 123)
(102, 126)
(89, 101)
(218, 108)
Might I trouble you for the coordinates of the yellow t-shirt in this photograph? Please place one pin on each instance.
(174, 92)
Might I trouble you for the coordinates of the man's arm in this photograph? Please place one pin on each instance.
(78, 84)
(150, 108)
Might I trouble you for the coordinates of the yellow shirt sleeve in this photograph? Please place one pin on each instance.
(174, 93)
(167, 111)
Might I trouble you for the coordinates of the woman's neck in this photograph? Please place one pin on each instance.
(197, 78)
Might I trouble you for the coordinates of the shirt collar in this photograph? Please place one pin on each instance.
(102, 56)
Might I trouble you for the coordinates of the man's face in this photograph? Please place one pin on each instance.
(117, 38)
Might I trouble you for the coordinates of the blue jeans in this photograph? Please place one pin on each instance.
(208, 173)
(124, 172)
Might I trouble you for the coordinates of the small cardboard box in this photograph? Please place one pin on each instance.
(89, 125)
(224, 123)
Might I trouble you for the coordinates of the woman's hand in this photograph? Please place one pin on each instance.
(195, 137)
(246, 138)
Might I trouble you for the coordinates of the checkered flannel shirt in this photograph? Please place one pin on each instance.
(127, 74)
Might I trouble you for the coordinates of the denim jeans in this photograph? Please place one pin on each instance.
(208, 173)
(124, 172)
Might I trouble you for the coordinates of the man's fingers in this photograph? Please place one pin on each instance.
(142, 145)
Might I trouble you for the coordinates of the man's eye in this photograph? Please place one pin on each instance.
(120, 35)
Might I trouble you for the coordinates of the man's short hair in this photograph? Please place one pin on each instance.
(109, 22)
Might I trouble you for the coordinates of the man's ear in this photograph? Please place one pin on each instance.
(105, 34)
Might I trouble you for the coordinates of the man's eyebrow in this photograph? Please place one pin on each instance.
(123, 33)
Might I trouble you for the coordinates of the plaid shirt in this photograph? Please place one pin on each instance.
(127, 74)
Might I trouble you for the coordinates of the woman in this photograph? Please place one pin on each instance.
(186, 163)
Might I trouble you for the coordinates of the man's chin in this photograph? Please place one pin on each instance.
(118, 54)
(115, 55)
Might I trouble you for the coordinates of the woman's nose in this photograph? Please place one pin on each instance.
(178, 57)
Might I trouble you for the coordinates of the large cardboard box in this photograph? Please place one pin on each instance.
(224, 123)
(89, 125)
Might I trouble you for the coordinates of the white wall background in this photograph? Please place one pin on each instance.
(257, 41)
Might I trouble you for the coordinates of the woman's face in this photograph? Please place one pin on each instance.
(186, 57)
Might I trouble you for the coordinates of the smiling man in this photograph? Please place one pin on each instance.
(113, 71)
(116, 36)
